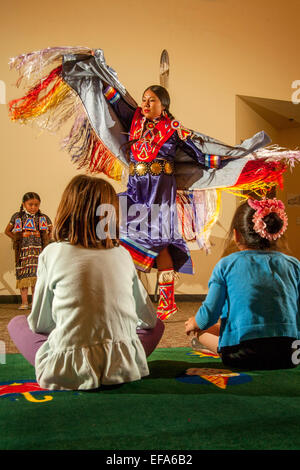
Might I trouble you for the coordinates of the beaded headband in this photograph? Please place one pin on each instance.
(263, 208)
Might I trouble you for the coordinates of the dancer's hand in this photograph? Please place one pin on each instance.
(191, 326)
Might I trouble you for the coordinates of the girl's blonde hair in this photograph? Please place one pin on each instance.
(77, 220)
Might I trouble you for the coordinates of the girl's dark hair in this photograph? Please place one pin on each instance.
(164, 97)
(30, 195)
(242, 223)
(26, 197)
(77, 220)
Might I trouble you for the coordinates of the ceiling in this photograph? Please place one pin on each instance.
(280, 114)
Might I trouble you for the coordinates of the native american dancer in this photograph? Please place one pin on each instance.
(174, 175)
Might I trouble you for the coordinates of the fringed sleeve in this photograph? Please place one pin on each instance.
(74, 90)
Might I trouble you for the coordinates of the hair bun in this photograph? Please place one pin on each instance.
(268, 227)
(273, 223)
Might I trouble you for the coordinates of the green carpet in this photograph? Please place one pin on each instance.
(167, 410)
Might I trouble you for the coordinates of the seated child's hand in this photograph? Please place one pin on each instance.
(191, 325)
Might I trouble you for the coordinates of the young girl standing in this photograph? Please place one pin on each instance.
(254, 292)
(92, 322)
(30, 230)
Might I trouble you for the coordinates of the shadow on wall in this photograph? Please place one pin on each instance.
(204, 264)
(7, 263)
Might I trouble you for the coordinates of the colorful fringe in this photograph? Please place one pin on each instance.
(88, 151)
(259, 177)
(197, 213)
(38, 100)
(30, 66)
(26, 282)
(275, 153)
(50, 103)
(198, 210)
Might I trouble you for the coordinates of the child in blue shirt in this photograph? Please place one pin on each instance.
(251, 313)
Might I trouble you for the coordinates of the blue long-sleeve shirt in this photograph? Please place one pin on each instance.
(256, 295)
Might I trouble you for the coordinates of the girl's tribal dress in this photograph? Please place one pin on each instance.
(175, 175)
(31, 236)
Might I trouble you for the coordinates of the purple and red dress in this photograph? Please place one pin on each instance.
(149, 221)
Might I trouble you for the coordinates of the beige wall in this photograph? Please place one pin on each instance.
(290, 138)
(218, 49)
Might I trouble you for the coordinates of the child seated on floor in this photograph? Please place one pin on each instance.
(92, 322)
(254, 292)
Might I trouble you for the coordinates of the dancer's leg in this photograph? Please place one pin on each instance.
(164, 260)
(151, 338)
(25, 340)
(166, 275)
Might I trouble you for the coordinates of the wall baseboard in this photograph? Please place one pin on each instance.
(16, 299)
(12, 299)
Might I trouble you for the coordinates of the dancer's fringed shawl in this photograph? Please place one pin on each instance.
(74, 89)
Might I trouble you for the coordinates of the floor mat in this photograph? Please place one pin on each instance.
(210, 407)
